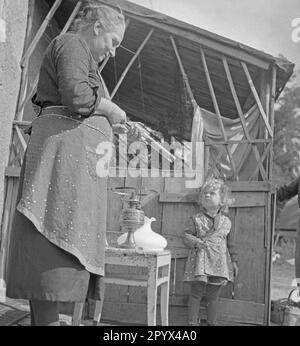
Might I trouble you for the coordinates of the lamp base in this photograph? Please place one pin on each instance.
(129, 243)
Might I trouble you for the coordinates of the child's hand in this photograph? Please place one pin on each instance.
(235, 269)
(201, 244)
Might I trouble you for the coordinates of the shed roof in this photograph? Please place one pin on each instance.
(154, 90)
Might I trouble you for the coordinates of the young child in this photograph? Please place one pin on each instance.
(212, 260)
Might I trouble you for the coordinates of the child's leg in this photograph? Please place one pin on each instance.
(212, 296)
(44, 313)
(197, 290)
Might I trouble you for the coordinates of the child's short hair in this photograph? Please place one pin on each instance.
(213, 183)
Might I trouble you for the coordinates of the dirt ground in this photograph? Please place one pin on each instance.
(282, 280)
(283, 269)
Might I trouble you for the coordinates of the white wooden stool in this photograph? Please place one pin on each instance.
(153, 261)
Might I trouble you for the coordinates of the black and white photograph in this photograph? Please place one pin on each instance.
(150, 166)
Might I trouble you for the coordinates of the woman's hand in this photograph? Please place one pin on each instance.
(134, 132)
(119, 129)
(235, 269)
(115, 114)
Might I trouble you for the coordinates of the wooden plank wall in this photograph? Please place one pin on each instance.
(172, 209)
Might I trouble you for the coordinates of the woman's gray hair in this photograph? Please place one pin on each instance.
(107, 17)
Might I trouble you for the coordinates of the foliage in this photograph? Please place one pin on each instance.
(287, 133)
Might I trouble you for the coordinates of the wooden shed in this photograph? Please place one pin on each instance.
(172, 76)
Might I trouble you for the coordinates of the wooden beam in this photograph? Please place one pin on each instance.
(24, 72)
(265, 95)
(197, 125)
(212, 94)
(21, 123)
(39, 33)
(23, 144)
(244, 158)
(131, 62)
(184, 75)
(257, 100)
(200, 39)
(216, 107)
(216, 160)
(250, 147)
(12, 171)
(268, 254)
(260, 162)
(273, 94)
(36, 80)
(241, 200)
(28, 97)
(235, 97)
(272, 115)
(5, 227)
(271, 244)
(244, 186)
(263, 157)
(71, 18)
(242, 141)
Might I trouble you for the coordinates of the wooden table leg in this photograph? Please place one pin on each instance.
(164, 297)
(152, 295)
(97, 312)
(77, 314)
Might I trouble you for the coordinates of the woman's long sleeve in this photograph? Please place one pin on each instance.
(75, 83)
(288, 191)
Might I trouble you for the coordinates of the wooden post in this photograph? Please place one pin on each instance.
(270, 252)
(24, 75)
(28, 97)
(265, 95)
(130, 63)
(39, 33)
(272, 115)
(10, 197)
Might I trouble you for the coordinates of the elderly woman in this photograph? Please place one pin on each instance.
(58, 235)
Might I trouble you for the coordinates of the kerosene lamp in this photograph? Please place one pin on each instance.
(132, 216)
